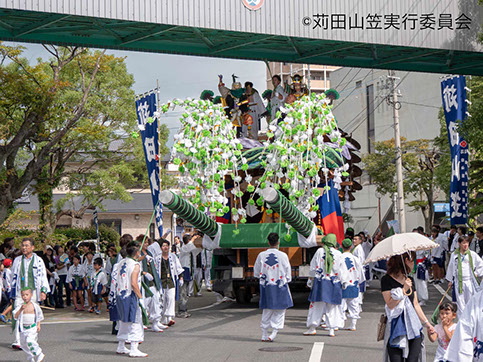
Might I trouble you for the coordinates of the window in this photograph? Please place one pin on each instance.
(370, 118)
(359, 84)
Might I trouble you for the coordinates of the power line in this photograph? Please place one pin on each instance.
(353, 89)
(365, 108)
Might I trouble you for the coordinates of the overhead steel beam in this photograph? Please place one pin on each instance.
(146, 34)
(239, 44)
(292, 43)
(48, 20)
(403, 58)
(318, 53)
(204, 38)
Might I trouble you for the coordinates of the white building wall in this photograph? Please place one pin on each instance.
(420, 100)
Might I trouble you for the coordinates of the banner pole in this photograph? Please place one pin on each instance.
(159, 143)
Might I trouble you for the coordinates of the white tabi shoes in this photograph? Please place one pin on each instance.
(311, 331)
(135, 352)
(121, 348)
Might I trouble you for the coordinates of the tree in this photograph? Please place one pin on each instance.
(419, 159)
(75, 109)
(37, 109)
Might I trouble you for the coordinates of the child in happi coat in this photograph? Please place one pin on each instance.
(326, 295)
(98, 285)
(273, 269)
(77, 282)
(443, 331)
(89, 268)
(351, 270)
(463, 269)
(28, 316)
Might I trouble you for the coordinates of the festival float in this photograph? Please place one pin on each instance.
(237, 190)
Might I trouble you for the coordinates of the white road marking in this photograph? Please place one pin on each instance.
(72, 321)
(442, 291)
(316, 354)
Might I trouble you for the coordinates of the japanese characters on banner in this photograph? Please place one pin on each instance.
(148, 125)
(454, 105)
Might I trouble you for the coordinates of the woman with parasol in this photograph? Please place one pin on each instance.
(403, 340)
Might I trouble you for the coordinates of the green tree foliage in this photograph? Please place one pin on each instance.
(67, 121)
(419, 159)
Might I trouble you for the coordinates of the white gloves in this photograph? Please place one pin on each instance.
(310, 283)
(181, 282)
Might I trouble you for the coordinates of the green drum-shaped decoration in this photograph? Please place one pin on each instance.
(288, 211)
(189, 213)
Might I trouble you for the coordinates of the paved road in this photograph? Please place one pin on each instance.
(215, 332)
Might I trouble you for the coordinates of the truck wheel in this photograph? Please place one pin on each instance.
(243, 296)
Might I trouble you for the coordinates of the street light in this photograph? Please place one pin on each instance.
(379, 196)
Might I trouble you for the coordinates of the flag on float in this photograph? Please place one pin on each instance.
(145, 108)
(225, 219)
(331, 213)
(455, 110)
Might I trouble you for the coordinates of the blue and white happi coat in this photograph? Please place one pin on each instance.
(123, 302)
(175, 269)
(467, 341)
(273, 269)
(40, 276)
(326, 287)
(351, 270)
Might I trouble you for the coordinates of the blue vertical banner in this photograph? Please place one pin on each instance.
(145, 108)
(455, 109)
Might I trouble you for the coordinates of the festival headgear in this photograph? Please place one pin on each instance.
(25, 288)
(235, 85)
(297, 78)
(206, 94)
(7, 263)
(328, 241)
(332, 92)
(217, 100)
(347, 243)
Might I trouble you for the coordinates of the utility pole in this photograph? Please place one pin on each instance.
(397, 140)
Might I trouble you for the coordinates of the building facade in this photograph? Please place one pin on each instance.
(364, 112)
(316, 77)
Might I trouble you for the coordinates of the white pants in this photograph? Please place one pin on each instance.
(208, 277)
(29, 344)
(333, 315)
(19, 301)
(273, 318)
(422, 288)
(464, 298)
(353, 306)
(169, 303)
(131, 331)
(154, 305)
(198, 276)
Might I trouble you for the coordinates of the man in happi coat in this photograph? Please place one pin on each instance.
(467, 341)
(28, 270)
(273, 269)
(326, 295)
(464, 267)
(128, 307)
